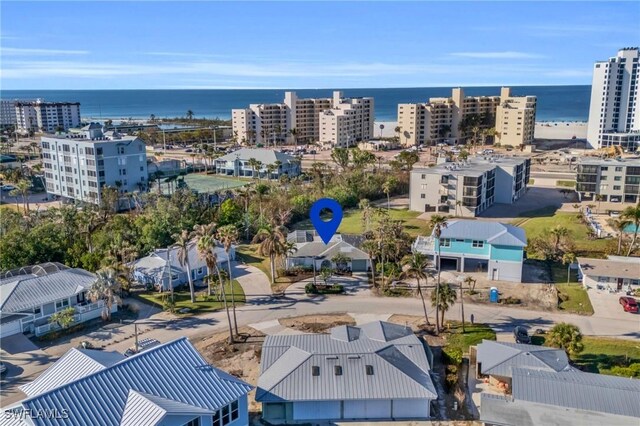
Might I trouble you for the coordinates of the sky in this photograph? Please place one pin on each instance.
(174, 45)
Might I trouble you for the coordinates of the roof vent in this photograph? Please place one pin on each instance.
(353, 357)
(331, 357)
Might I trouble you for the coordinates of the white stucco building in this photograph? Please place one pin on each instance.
(48, 117)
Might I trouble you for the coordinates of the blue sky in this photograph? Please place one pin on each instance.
(166, 45)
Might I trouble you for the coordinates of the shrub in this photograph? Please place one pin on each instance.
(311, 289)
(451, 380)
(452, 355)
(511, 301)
(633, 370)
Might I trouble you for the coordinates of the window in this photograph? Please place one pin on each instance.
(62, 304)
(37, 310)
(445, 242)
(423, 196)
(337, 370)
(477, 244)
(235, 412)
(315, 370)
(194, 422)
(369, 370)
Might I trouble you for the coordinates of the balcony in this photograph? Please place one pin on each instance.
(83, 313)
(424, 245)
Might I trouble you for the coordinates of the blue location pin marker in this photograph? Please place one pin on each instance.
(326, 230)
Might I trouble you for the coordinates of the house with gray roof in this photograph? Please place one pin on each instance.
(31, 294)
(170, 384)
(567, 397)
(236, 163)
(615, 272)
(498, 359)
(376, 371)
(154, 268)
(478, 246)
(310, 249)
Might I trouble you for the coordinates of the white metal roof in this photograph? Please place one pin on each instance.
(492, 232)
(500, 358)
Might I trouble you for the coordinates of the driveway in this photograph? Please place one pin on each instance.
(607, 305)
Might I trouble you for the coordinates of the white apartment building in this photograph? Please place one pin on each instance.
(7, 112)
(48, 117)
(439, 119)
(467, 188)
(77, 166)
(269, 124)
(349, 121)
(614, 112)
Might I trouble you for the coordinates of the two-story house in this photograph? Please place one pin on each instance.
(475, 246)
(268, 163)
(30, 295)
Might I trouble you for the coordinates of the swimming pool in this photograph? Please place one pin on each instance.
(630, 228)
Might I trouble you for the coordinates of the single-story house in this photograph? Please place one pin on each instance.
(31, 294)
(568, 398)
(478, 246)
(376, 371)
(498, 359)
(170, 384)
(237, 163)
(310, 249)
(616, 272)
(154, 268)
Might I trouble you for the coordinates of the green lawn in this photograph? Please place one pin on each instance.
(474, 334)
(183, 299)
(566, 183)
(537, 221)
(577, 300)
(352, 222)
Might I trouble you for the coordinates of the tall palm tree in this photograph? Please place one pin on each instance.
(183, 242)
(229, 235)
(568, 259)
(205, 245)
(444, 299)
(387, 186)
(558, 232)
(22, 189)
(189, 115)
(294, 135)
(632, 214)
(367, 213)
(106, 287)
(620, 225)
(438, 223)
(272, 241)
(253, 163)
(415, 267)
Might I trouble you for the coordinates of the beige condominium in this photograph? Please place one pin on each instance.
(439, 119)
(302, 120)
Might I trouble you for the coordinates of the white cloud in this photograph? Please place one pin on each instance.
(40, 52)
(496, 55)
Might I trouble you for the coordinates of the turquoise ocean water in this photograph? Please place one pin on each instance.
(555, 103)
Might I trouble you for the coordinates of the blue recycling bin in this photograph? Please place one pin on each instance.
(493, 295)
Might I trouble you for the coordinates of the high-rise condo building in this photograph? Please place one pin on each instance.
(439, 119)
(7, 112)
(300, 120)
(49, 117)
(78, 165)
(614, 112)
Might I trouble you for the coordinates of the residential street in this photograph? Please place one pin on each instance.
(261, 307)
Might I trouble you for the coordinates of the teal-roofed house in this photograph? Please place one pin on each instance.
(478, 246)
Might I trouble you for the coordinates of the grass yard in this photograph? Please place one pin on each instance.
(537, 221)
(352, 222)
(474, 334)
(566, 183)
(573, 296)
(203, 303)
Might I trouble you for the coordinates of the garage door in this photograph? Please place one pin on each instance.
(10, 328)
(316, 410)
(359, 265)
(367, 409)
(411, 408)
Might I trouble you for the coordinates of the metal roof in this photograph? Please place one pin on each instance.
(494, 233)
(500, 358)
(578, 390)
(23, 292)
(266, 156)
(396, 356)
(73, 365)
(148, 410)
(174, 371)
(612, 268)
(309, 244)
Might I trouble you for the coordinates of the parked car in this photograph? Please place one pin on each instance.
(629, 304)
(8, 187)
(487, 151)
(521, 334)
(188, 150)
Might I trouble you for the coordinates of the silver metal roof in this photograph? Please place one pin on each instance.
(614, 268)
(309, 244)
(492, 232)
(73, 365)
(155, 264)
(174, 371)
(396, 355)
(23, 292)
(578, 390)
(500, 358)
(149, 410)
(266, 156)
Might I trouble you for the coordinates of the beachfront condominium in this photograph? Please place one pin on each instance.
(614, 112)
(439, 119)
(299, 120)
(7, 113)
(78, 165)
(349, 121)
(467, 188)
(47, 117)
(606, 179)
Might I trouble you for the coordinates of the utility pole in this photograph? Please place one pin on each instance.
(135, 332)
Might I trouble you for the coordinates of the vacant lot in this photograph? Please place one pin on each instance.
(317, 323)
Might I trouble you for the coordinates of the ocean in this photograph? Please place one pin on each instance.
(555, 103)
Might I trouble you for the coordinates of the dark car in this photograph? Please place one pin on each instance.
(629, 304)
(521, 334)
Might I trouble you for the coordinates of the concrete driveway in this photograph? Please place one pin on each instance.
(607, 305)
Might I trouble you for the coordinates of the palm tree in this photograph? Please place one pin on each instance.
(367, 213)
(566, 336)
(189, 115)
(229, 235)
(183, 242)
(632, 214)
(558, 232)
(22, 189)
(387, 186)
(271, 240)
(438, 223)
(106, 287)
(254, 164)
(416, 264)
(205, 245)
(620, 225)
(444, 299)
(294, 134)
(568, 259)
